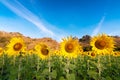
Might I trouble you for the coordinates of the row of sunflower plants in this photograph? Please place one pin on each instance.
(84, 67)
(67, 63)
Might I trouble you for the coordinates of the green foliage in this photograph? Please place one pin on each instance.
(88, 48)
(117, 48)
(31, 67)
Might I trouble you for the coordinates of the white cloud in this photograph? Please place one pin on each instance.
(23, 12)
(43, 26)
(114, 33)
(111, 27)
(97, 29)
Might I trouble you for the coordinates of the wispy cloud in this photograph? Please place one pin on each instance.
(59, 33)
(23, 12)
(114, 33)
(97, 29)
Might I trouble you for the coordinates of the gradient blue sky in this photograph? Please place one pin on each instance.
(60, 18)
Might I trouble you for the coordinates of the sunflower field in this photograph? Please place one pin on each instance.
(70, 62)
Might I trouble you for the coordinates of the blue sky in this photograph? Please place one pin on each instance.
(60, 18)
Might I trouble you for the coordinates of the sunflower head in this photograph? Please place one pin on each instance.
(70, 47)
(15, 46)
(56, 52)
(31, 51)
(102, 44)
(42, 51)
(92, 54)
(115, 54)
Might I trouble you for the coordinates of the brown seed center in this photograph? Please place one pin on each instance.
(17, 46)
(92, 54)
(44, 51)
(69, 47)
(100, 44)
(115, 53)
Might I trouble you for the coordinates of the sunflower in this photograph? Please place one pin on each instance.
(102, 44)
(92, 54)
(87, 53)
(15, 47)
(31, 51)
(119, 53)
(42, 51)
(70, 47)
(115, 54)
(56, 53)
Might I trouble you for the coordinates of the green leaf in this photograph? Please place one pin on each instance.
(54, 74)
(93, 74)
(93, 63)
(45, 72)
(108, 78)
(70, 76)
(62, 78)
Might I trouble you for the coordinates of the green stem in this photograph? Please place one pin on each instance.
(49, 66)
(27, 58)
(38, 66)
(99, 67)
(14, 58)
(19, 68)
(110, 60)
(88, 65)
(67, 67)
(3, 62)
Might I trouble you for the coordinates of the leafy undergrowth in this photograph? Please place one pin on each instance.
(31, 67)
